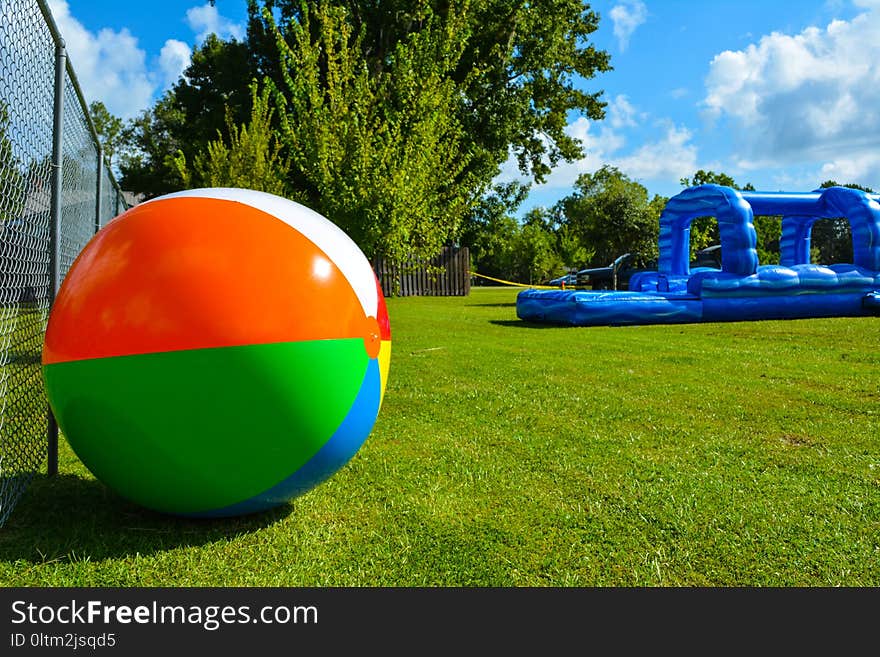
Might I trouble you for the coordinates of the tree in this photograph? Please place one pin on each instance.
(613, 215)
(151, 141)
(514, 79)
(571, 249)
(531, 254)
(251, 160)
(516, 75)
(834, 183)
(534, 248)
(382, 154)
(215, 87)
(568, 251)
(489, 228)
(109, 128)
(703, 177)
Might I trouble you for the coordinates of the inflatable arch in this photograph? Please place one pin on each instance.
(742, 289)
(739, 254)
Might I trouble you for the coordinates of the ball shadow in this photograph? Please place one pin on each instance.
(67, 517)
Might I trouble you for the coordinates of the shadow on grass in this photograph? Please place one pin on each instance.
(512, 304)
(67, 517)
(522, 323)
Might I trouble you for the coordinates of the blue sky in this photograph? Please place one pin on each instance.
(783, 95)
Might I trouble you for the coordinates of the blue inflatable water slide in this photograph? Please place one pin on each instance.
(742, 289)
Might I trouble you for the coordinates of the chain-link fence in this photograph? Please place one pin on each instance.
(55, 192)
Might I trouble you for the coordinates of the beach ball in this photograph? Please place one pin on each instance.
(217, 352)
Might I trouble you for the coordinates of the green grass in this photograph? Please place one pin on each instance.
(512, 454)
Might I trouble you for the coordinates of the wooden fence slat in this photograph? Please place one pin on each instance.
(414, 279)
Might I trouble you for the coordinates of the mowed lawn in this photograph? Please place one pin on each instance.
(512, 454)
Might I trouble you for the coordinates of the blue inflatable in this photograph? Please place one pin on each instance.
(742, 289)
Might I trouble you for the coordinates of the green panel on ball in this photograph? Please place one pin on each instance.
(185, 431)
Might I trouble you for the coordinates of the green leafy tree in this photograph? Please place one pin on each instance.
(834, 183)
(503, 247)
(613, 214)
(571, 248)
(150, 143)
(516, 74)
(531, 255)
(703, 177)
(489, 228)
(768, 230)
(250, 157)
(215, 87)
(382, 154)
(514, 80)
(110, 129)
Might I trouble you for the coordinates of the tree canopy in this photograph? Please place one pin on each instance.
(393, 116)
(252, 159)
(704, 177)
(489, 229)
(514, 78)
(109, 128)
(614, 215)
(381, 153)
(515, 75)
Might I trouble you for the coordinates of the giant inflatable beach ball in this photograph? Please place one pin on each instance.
(217, 352)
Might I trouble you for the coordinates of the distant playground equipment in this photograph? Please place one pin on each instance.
(741, 289)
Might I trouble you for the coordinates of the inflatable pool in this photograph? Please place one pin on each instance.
(741, 289)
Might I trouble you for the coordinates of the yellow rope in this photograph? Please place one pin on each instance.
(498, 280)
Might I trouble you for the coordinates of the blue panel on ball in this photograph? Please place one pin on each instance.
(336, 452)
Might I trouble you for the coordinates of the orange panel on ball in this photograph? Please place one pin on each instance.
(209, 273)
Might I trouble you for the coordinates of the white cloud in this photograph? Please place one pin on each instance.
(206, 20)
(109, 65)
(811, 97)
(174, 59)
(627, 16)
(621, 113)
(862, 166)
(670, 156)
(564, 174)
(598, 146)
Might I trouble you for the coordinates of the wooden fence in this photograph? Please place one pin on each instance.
(445, 275)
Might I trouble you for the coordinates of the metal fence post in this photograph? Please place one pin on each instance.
(55, 222)
(99, 188)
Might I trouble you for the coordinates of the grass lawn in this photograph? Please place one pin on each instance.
(512, 454)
